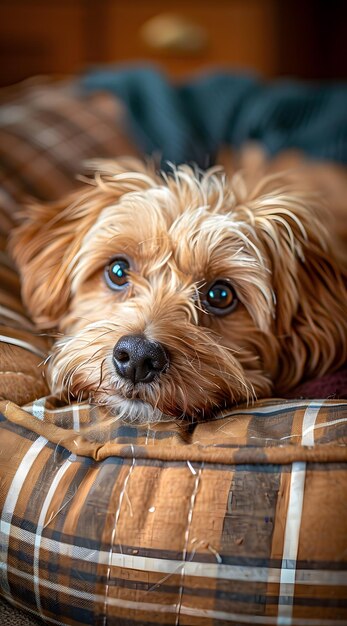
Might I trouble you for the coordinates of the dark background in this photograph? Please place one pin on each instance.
(304, 39)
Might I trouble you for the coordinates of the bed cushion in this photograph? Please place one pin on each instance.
(239, 520)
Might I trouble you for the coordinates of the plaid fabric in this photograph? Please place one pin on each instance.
(47, 130)
(21, 348)
(241, 520)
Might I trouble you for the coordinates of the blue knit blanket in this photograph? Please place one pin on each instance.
(190, 121)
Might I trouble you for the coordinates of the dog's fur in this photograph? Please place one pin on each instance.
(181, 232)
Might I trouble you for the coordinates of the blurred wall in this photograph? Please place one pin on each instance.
(303, 38)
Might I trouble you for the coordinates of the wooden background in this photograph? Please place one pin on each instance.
(305, 39)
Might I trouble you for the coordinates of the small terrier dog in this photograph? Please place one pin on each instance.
(177, 294)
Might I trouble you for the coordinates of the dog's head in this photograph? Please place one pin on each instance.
(179, 294)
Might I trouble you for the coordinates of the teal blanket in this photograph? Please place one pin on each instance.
(190, 121)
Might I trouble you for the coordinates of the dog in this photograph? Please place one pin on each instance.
(182, 293)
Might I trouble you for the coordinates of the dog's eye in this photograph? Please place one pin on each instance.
(220, 298)
(116, 274)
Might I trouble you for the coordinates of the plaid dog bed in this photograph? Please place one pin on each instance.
(241, 520)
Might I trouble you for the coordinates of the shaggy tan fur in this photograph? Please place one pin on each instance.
(180, 232)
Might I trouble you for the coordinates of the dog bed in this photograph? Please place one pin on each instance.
(240, 520)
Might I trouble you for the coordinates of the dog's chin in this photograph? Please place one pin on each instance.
(136, 411)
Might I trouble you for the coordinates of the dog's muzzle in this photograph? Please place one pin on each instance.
(138, 359)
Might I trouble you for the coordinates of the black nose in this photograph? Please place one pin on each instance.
(138, 359)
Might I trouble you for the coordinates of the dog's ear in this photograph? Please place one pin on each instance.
(44, 247)
(46, 243)
(308, 281)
